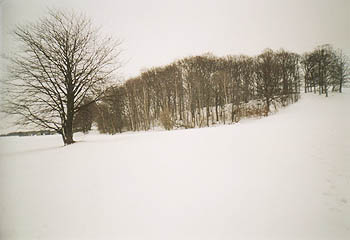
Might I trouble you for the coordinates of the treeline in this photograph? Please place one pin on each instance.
(205, 90)
(28, 133)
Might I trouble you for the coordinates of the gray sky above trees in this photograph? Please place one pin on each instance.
(156, 32)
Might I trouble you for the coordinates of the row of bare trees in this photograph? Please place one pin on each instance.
(59, 80)
(201, 91)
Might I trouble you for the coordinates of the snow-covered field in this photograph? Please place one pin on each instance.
(286, 176)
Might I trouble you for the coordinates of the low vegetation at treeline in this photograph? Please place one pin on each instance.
(205, 90)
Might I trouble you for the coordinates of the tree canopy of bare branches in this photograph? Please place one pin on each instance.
(200, 91)
(62, 66)
(325, 67)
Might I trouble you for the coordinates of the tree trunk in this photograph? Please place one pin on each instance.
(68, 126)
(341, 84)
(68, 131)
(216, 108)
(208, 115)
(267, 110)
(232, 113)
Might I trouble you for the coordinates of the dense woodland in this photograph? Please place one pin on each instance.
(205, 90)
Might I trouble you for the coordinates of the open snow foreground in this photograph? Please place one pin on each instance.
(286, 176)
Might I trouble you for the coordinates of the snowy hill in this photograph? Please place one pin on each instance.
(286, 176)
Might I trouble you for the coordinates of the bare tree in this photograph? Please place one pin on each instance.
(308, 66)
(267, 72)
(342, 69)
(320, 69)
(84, 118)
(325, 61)
(63, 62)
(111, 110)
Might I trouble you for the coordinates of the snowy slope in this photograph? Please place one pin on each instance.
(286, 176)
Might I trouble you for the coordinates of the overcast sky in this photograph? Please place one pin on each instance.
(157, 32)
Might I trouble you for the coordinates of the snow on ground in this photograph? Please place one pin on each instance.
(286, 176)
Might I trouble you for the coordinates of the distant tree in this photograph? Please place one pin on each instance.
(85, 117)
(267, 72)
(110, 113)
(165, 120)
(308, 66)
(289, 74)
(234, 83)
(62, 62)
(320, 69)
(104, 119)
(341, 69)
(325, 61)
(219, 88)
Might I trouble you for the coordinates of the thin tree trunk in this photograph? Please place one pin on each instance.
(267, 110)
(216, 108)
(341, 84)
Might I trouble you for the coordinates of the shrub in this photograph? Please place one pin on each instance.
(165, 119)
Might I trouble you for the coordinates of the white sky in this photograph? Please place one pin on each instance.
(157, 32)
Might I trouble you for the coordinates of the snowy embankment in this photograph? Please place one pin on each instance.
(286, 176)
